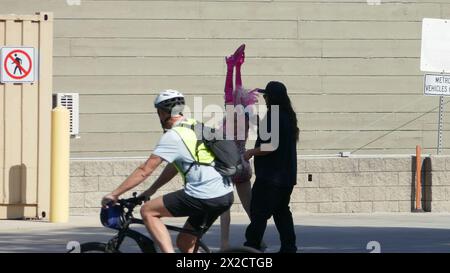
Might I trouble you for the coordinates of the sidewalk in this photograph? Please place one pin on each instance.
(315, 233)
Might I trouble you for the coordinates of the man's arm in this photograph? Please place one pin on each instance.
(168, 173)
(256, 152)
(135, 178)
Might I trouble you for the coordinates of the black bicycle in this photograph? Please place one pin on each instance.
(146, 244)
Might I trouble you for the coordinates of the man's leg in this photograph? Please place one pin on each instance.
(284, 222)
(261, 209)
(209, 211)
(151, 213)
(244, 190)
(185, 241)
(225, 220)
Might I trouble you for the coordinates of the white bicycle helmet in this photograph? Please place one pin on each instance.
(170, 101)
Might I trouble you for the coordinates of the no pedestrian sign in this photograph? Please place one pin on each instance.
(17, 65)
(437, 85)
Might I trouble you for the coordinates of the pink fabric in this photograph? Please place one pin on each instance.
(229, 80)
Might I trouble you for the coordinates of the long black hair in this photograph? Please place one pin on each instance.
(277, 95)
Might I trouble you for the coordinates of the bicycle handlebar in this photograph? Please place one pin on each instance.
(132, 202)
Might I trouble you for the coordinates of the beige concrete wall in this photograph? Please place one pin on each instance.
(338, 185)
(352, 69)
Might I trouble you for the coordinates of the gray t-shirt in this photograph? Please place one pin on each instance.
(203, 182)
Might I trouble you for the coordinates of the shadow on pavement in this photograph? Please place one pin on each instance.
(310, 239)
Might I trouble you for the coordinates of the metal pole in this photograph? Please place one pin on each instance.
(418, 179)
(440, 124)
(59, 193)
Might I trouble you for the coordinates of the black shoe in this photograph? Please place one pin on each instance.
(253, 246)
(288, 250)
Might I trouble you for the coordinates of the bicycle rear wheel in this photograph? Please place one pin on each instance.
(96, 247)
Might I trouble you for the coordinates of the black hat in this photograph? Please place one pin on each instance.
(274, 88)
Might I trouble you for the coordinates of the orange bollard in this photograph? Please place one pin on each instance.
(418, 179)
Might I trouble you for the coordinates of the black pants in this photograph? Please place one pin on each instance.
(268, 201)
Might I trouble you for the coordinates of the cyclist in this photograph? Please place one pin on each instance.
(206, 194)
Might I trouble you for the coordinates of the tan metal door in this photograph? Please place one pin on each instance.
(25, 118)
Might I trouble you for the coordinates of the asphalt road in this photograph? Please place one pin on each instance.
(336, 233)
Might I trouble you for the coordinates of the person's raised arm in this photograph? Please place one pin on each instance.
(136, 177)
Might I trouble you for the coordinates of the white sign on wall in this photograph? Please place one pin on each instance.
(435, 56)
(437, 85)
(17, 64)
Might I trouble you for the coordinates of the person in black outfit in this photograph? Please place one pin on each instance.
(275, 171)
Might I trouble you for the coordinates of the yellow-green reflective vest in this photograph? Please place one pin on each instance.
(199, 152)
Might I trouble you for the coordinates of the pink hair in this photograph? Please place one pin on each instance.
(245, 97)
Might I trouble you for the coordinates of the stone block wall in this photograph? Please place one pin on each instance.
(324, 185)
(354, 185)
